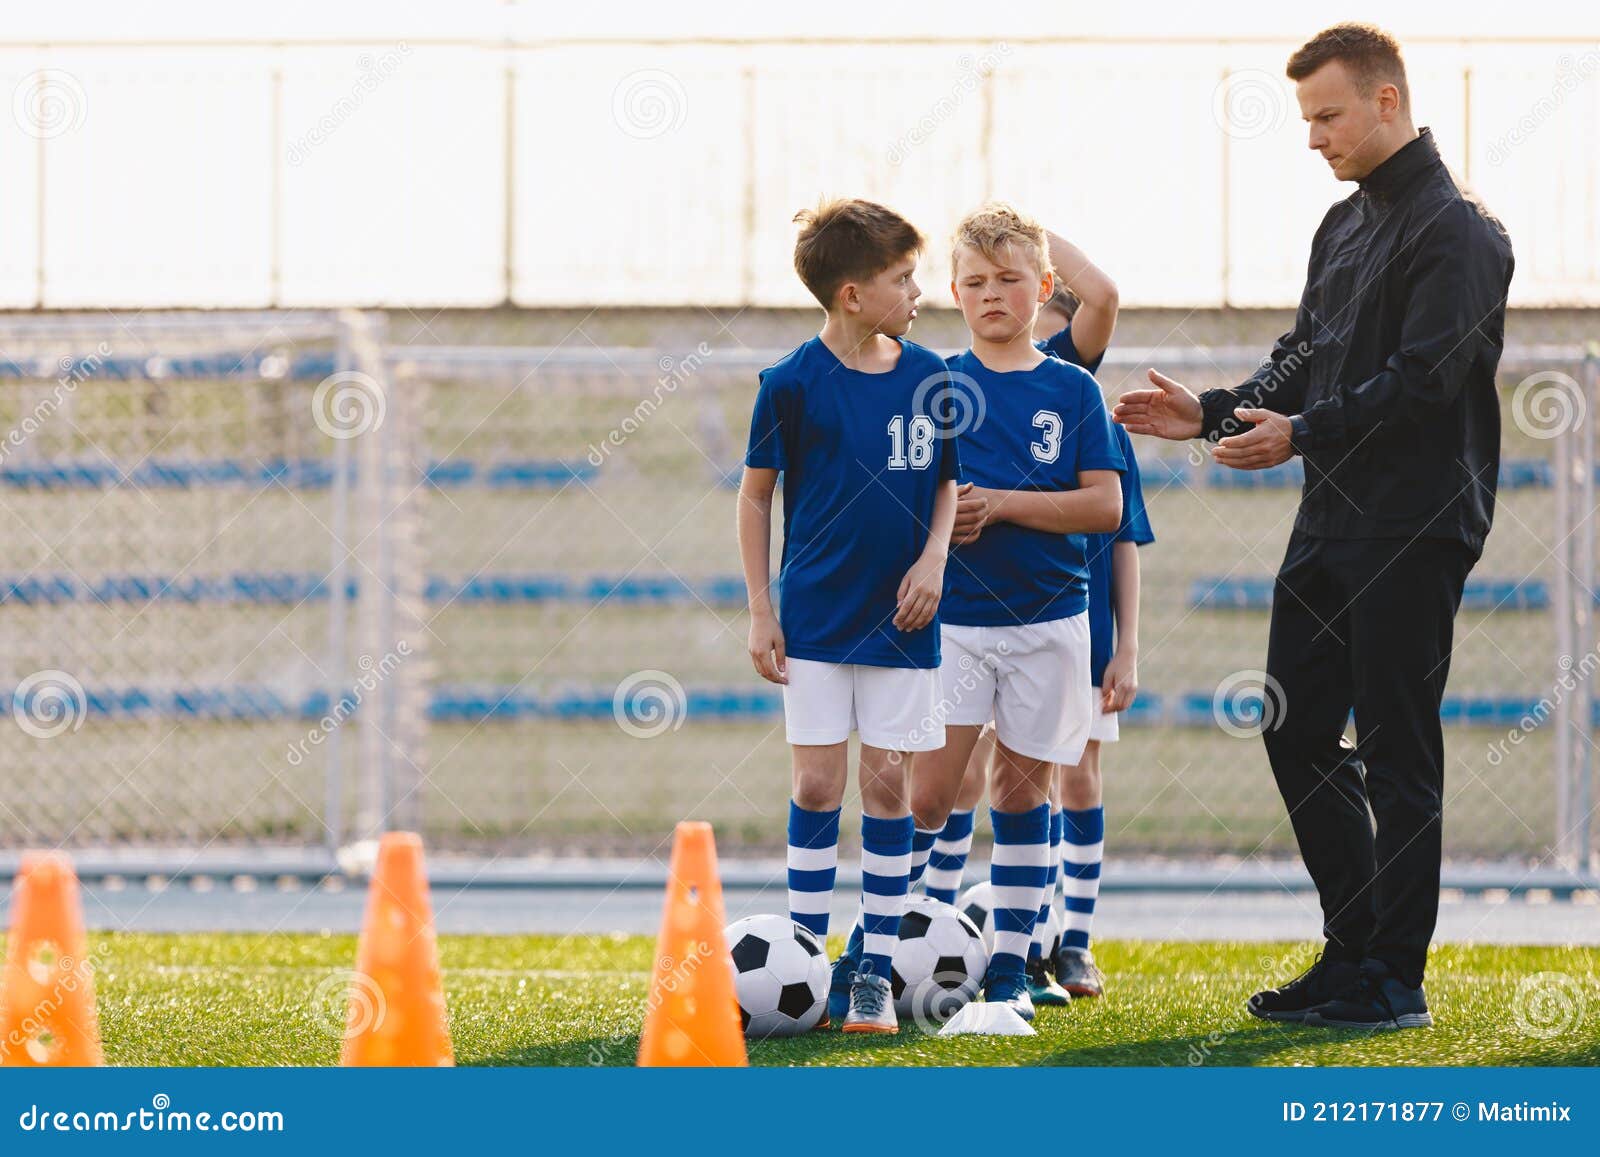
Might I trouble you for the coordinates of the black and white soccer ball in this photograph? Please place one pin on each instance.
(780, 974)
(938, 962)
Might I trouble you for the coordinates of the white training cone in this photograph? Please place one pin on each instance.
(980, 1018)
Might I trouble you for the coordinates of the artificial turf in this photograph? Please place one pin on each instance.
(245, 999)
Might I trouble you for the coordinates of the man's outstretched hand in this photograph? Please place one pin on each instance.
(1171, 410)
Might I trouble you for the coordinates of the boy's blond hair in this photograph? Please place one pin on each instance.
(991, 228)
(849, 239)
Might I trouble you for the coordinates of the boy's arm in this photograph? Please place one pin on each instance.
(923, 585)
(1096, 505)
(1097, 315)
(1121, 681)
(755, 552)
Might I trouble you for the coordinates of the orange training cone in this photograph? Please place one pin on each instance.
(47, 1016)
(693, 1014)
(397, 1012)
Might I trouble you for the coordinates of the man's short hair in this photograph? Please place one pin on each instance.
(849, 239)
(996, 225)
(1371, 55)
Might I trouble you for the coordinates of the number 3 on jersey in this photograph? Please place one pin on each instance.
(921, 448)
(1050, 449)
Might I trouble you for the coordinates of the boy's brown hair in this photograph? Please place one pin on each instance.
(995, 225)
(849, 239)
(1370, 53)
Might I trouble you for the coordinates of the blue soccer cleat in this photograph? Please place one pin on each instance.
(1010, 989)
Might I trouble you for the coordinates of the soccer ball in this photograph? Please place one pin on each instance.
(780, 974)
(938, 962)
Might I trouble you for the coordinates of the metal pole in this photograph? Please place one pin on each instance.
(333, 807)
(1585, 767)
(1565, 645)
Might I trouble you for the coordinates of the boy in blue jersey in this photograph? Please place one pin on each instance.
(1075, 326)
(1038, 448)
(869, 498)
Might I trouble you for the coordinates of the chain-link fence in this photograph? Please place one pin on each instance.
(589, 620)
(532, 637)
(173, 599)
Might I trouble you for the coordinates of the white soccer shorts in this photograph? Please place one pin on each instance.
(1031, 679)
(894, 708)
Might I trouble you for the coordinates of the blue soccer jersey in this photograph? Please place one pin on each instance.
(1026, 430)
(1135, 526)
(862, 457)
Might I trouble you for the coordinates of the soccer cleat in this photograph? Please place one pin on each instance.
(1320, 983)
(1077, 973)
(1042, 987)
(1380, 1001)
(871, 1005)
(824, 1024)
(1010, 989)
(844, 970)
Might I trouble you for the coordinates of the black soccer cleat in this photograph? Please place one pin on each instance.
(1322, 982)
(1380, 1001)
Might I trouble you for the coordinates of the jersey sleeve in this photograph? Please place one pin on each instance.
(1097, 447)
(765, 450)
(1062, 346)
(1135, 526)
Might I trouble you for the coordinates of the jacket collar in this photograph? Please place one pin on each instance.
(1394, 175)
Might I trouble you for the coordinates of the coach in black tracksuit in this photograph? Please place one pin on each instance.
(1386, 389)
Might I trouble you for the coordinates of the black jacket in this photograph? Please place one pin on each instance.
(1389, 370)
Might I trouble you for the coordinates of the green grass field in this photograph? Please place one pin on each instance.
(543, 1000)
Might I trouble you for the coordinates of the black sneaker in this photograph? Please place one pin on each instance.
(1317, 985)
(1380, 1001)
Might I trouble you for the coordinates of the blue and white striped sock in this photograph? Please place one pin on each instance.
(949, 858)
(885, 871)
(1041, 927)
(1017, 871)
(813, 864)
(921, 852)
(1083, 844)
(921, 845)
